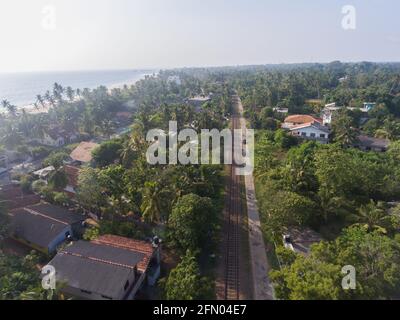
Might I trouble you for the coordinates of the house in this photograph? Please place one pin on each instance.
(299, 119)
(311, 131)
(109, 268)
(72, 174)
(83, 153)
(58, 137)
(44, 173)
(123, 117)
(281, 110)
(44, 227)
(368, 106)
(13, 197)
(300, 240)
(198, 101)
(366, 143)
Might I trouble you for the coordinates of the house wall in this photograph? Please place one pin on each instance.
(30, 244)
(309, 131)
(78, 293)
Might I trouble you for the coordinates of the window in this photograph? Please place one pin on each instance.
(322, 136)
(312, 135)
(304, 134)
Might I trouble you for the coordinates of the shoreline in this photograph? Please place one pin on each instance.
(31, 109)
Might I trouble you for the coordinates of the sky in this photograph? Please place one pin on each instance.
(58, 35)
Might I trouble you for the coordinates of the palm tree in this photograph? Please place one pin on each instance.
(155, 198)
(372, 217)
(9, 107)
(50, 99)
(40, 100)
(70, 94)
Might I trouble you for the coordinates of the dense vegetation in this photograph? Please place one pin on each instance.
(347, 195)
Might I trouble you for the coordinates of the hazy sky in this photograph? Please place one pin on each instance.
(119, 34)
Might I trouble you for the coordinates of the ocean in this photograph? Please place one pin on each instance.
(21, 89)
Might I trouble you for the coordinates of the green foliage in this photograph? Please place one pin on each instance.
(123, 229)
(4, 221)
(91, 234)
(55, 159)
(18, 276)
(191, 222)
(61, 199)
(185, 281)
(38, 185)
(26, 183)
(375, 257)
(40, 152)
(58, 179)
(107, 153)
(284, 140)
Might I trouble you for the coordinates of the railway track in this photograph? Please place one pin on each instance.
(232, 244)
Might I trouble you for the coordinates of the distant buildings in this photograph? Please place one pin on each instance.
(108, 268)
(43, 227)
(328, 113)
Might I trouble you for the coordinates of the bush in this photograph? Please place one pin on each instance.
(38, 185)
(61, 199)
(26, 183)
(192, 222)
(40, 152)
(55, 159)
(185, 282)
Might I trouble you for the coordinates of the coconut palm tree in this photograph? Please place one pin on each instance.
(11, 109)
(372, 217)
(155, 198)
(50, 99)
(70, 94)
(40, 100)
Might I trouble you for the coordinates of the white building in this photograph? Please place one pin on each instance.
(311, 131)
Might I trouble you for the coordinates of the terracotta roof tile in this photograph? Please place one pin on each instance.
(134, 245)
(83, 152)
(302, 119)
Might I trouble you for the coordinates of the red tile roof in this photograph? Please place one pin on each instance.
(302, 119)
(83, 152)
(134, 245)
